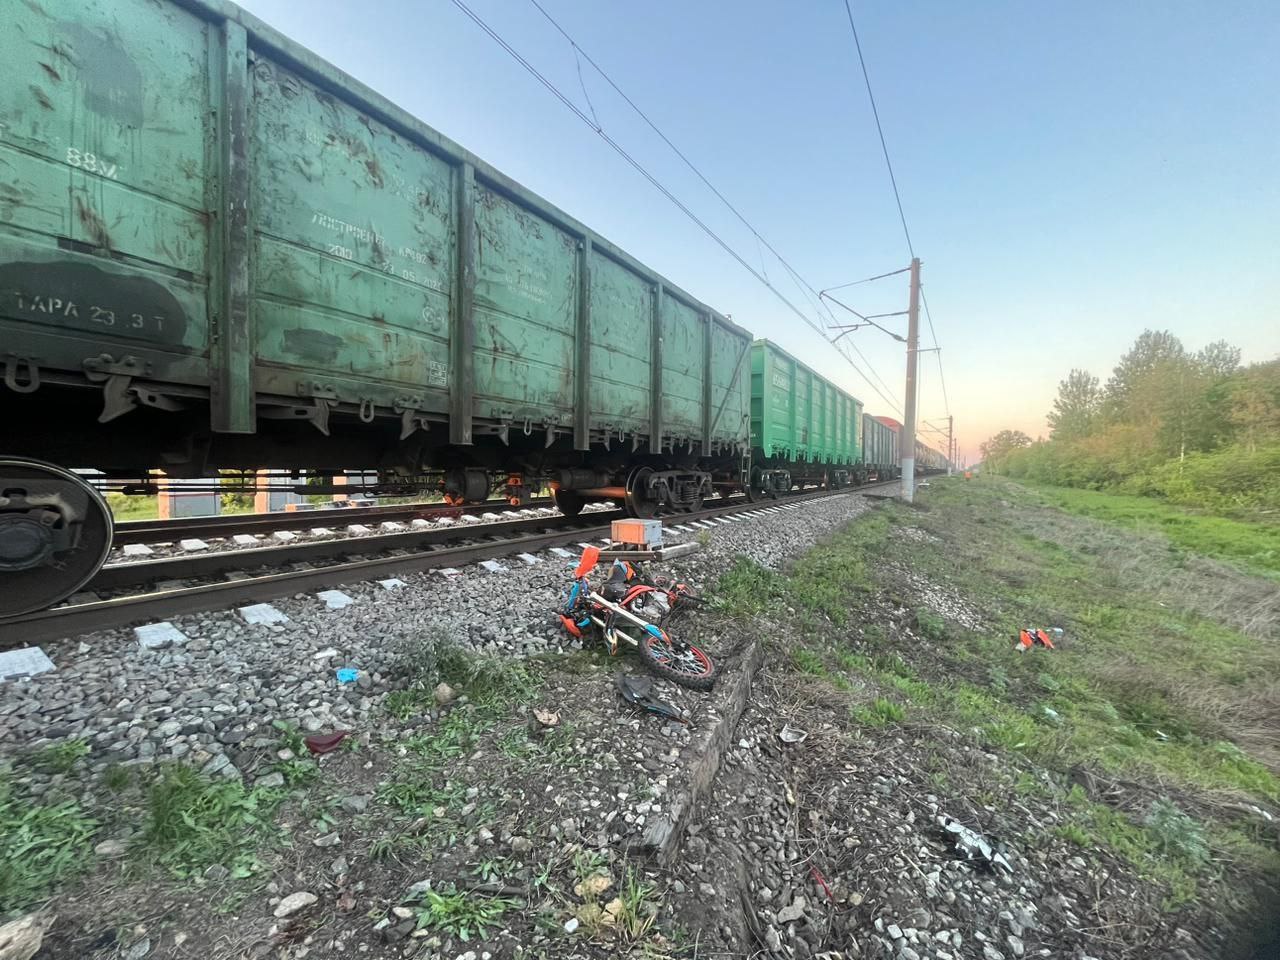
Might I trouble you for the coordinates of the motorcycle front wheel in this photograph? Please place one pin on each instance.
(681, 663)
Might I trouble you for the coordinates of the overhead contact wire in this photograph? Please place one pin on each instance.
(893, 180)
(799, 280)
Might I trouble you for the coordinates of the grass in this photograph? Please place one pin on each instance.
(1166, 845)
(880, 712)
(492, 683)
(415, 793)
(297, 772)
(116, 778)
(41, 846)
(291, 737)
(460, 913)
(419, 785)
(193, 822)
(454, 735)
(587, 863)
(403, 704)
(125, 507)
(636, 909)
(1162, 679)
(1255, 547)
(61, 757)
(133, 508)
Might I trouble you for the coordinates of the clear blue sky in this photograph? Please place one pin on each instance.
(1071, 173)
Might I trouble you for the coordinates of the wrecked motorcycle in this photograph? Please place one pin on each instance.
(630, 608)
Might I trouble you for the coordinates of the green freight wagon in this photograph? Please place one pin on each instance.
(804, 429)
(219, 251)
(879, 449)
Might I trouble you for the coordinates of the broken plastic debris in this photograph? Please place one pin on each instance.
(790, 734)
(1030, 637)
(348, 674)
(638, 692)
(326, 742)
(821, 882)
(971, 845)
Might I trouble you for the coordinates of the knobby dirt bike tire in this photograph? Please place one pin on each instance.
(655, 660)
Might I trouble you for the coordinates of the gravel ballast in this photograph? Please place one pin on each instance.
(229, 681)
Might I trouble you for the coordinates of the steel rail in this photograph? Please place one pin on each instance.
(61, 622)
(155, 531)
(114, 576)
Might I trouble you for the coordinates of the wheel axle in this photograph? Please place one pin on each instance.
(55, 534)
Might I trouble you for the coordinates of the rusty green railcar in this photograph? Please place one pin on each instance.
(219, 251)
(880, 459)
(805, 431)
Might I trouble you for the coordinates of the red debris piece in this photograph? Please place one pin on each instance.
(1032, 637)
(821, 881)
(326, 742)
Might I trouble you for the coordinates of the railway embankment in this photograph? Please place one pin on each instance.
(1127, 776)
(878, 773)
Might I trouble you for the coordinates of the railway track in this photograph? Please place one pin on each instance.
(400, 553)
(201, 528)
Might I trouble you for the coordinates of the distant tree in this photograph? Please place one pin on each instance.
(1253, 404)
(1001, 445)
(1076, 407)
(1150, 350)
(1218, 360)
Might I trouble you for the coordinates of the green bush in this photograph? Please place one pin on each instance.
(1176, 835)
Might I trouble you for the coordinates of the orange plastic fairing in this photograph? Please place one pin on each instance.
(590, 557)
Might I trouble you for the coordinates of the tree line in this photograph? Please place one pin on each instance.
(1195, 428)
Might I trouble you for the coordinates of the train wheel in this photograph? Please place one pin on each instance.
(568, 502)
(638, 502)
(55, 534)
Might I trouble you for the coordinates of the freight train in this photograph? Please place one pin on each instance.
(219, 252)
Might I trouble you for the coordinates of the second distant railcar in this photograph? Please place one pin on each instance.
(880, 460)
(929, 460)
(805, 431)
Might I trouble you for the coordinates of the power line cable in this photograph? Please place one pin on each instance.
(799, 280)
(820, 305)
(941, 379)
(639, 168)
(893, 180)
(878, 276)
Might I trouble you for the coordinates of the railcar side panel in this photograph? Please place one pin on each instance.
(730, 407)
(525, 314)
(104, 147)
(773, 399)
(352, 250)
(683, 365)
(621, 347)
